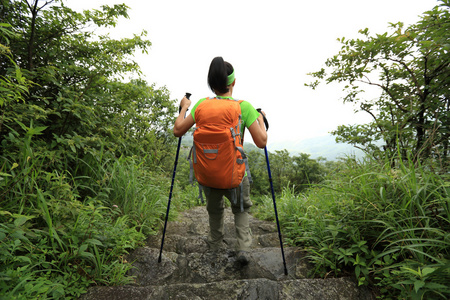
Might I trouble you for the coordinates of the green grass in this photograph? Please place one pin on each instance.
(387, 227)
(61, 232)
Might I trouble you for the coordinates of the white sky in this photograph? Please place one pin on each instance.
(271, 44)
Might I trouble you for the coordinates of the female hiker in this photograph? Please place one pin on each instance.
(221, 80)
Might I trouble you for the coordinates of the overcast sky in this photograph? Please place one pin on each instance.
(271, 44)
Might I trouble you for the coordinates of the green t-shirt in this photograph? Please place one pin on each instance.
(249, 113)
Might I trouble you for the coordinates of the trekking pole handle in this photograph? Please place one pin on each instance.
(265, 119)
(188, 95)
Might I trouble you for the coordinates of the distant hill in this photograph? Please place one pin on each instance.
(322, 146)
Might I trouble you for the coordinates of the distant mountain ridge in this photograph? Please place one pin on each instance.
(321, 146)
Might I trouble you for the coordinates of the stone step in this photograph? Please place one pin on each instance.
(188, 270)
(195, 222)
(249, 289)
(188, 233)
(214, 266)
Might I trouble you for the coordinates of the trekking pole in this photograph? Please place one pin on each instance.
(273, 197)
(171, 189)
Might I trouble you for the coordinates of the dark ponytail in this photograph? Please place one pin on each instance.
(218, 75)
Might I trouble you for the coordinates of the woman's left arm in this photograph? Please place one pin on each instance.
(258, 132)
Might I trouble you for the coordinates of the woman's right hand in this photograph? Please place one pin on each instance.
(185, 103)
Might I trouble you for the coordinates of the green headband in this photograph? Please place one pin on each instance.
(230, 78)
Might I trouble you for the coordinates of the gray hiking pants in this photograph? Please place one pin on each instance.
(215, 208)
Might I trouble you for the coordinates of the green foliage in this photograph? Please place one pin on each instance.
(298, 171)
(52, 244)
(134, 190)
(13, 85)
(79, 93)
(83, 146)
(409, 66)
(389, 227)
(62, 259)
(388, 223)
(258, 169)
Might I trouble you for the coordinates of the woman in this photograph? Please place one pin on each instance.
(221, 81)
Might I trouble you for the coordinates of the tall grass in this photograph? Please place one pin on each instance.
(51, 244)
(139, 192)
(62, 231)
(135, 191)
(388, 227)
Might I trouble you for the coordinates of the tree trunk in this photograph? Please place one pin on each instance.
(34, 11)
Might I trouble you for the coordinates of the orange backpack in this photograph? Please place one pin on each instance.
(218, 157)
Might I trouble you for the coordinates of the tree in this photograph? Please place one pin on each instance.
(80, 136)
(258, 169)
(86, 92)
(306, 171)
(281, 168)
(410, 66)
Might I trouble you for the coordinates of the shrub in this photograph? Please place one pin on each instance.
(388, 227)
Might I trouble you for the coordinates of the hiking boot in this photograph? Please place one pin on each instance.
(216, 246)
(242, 258)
